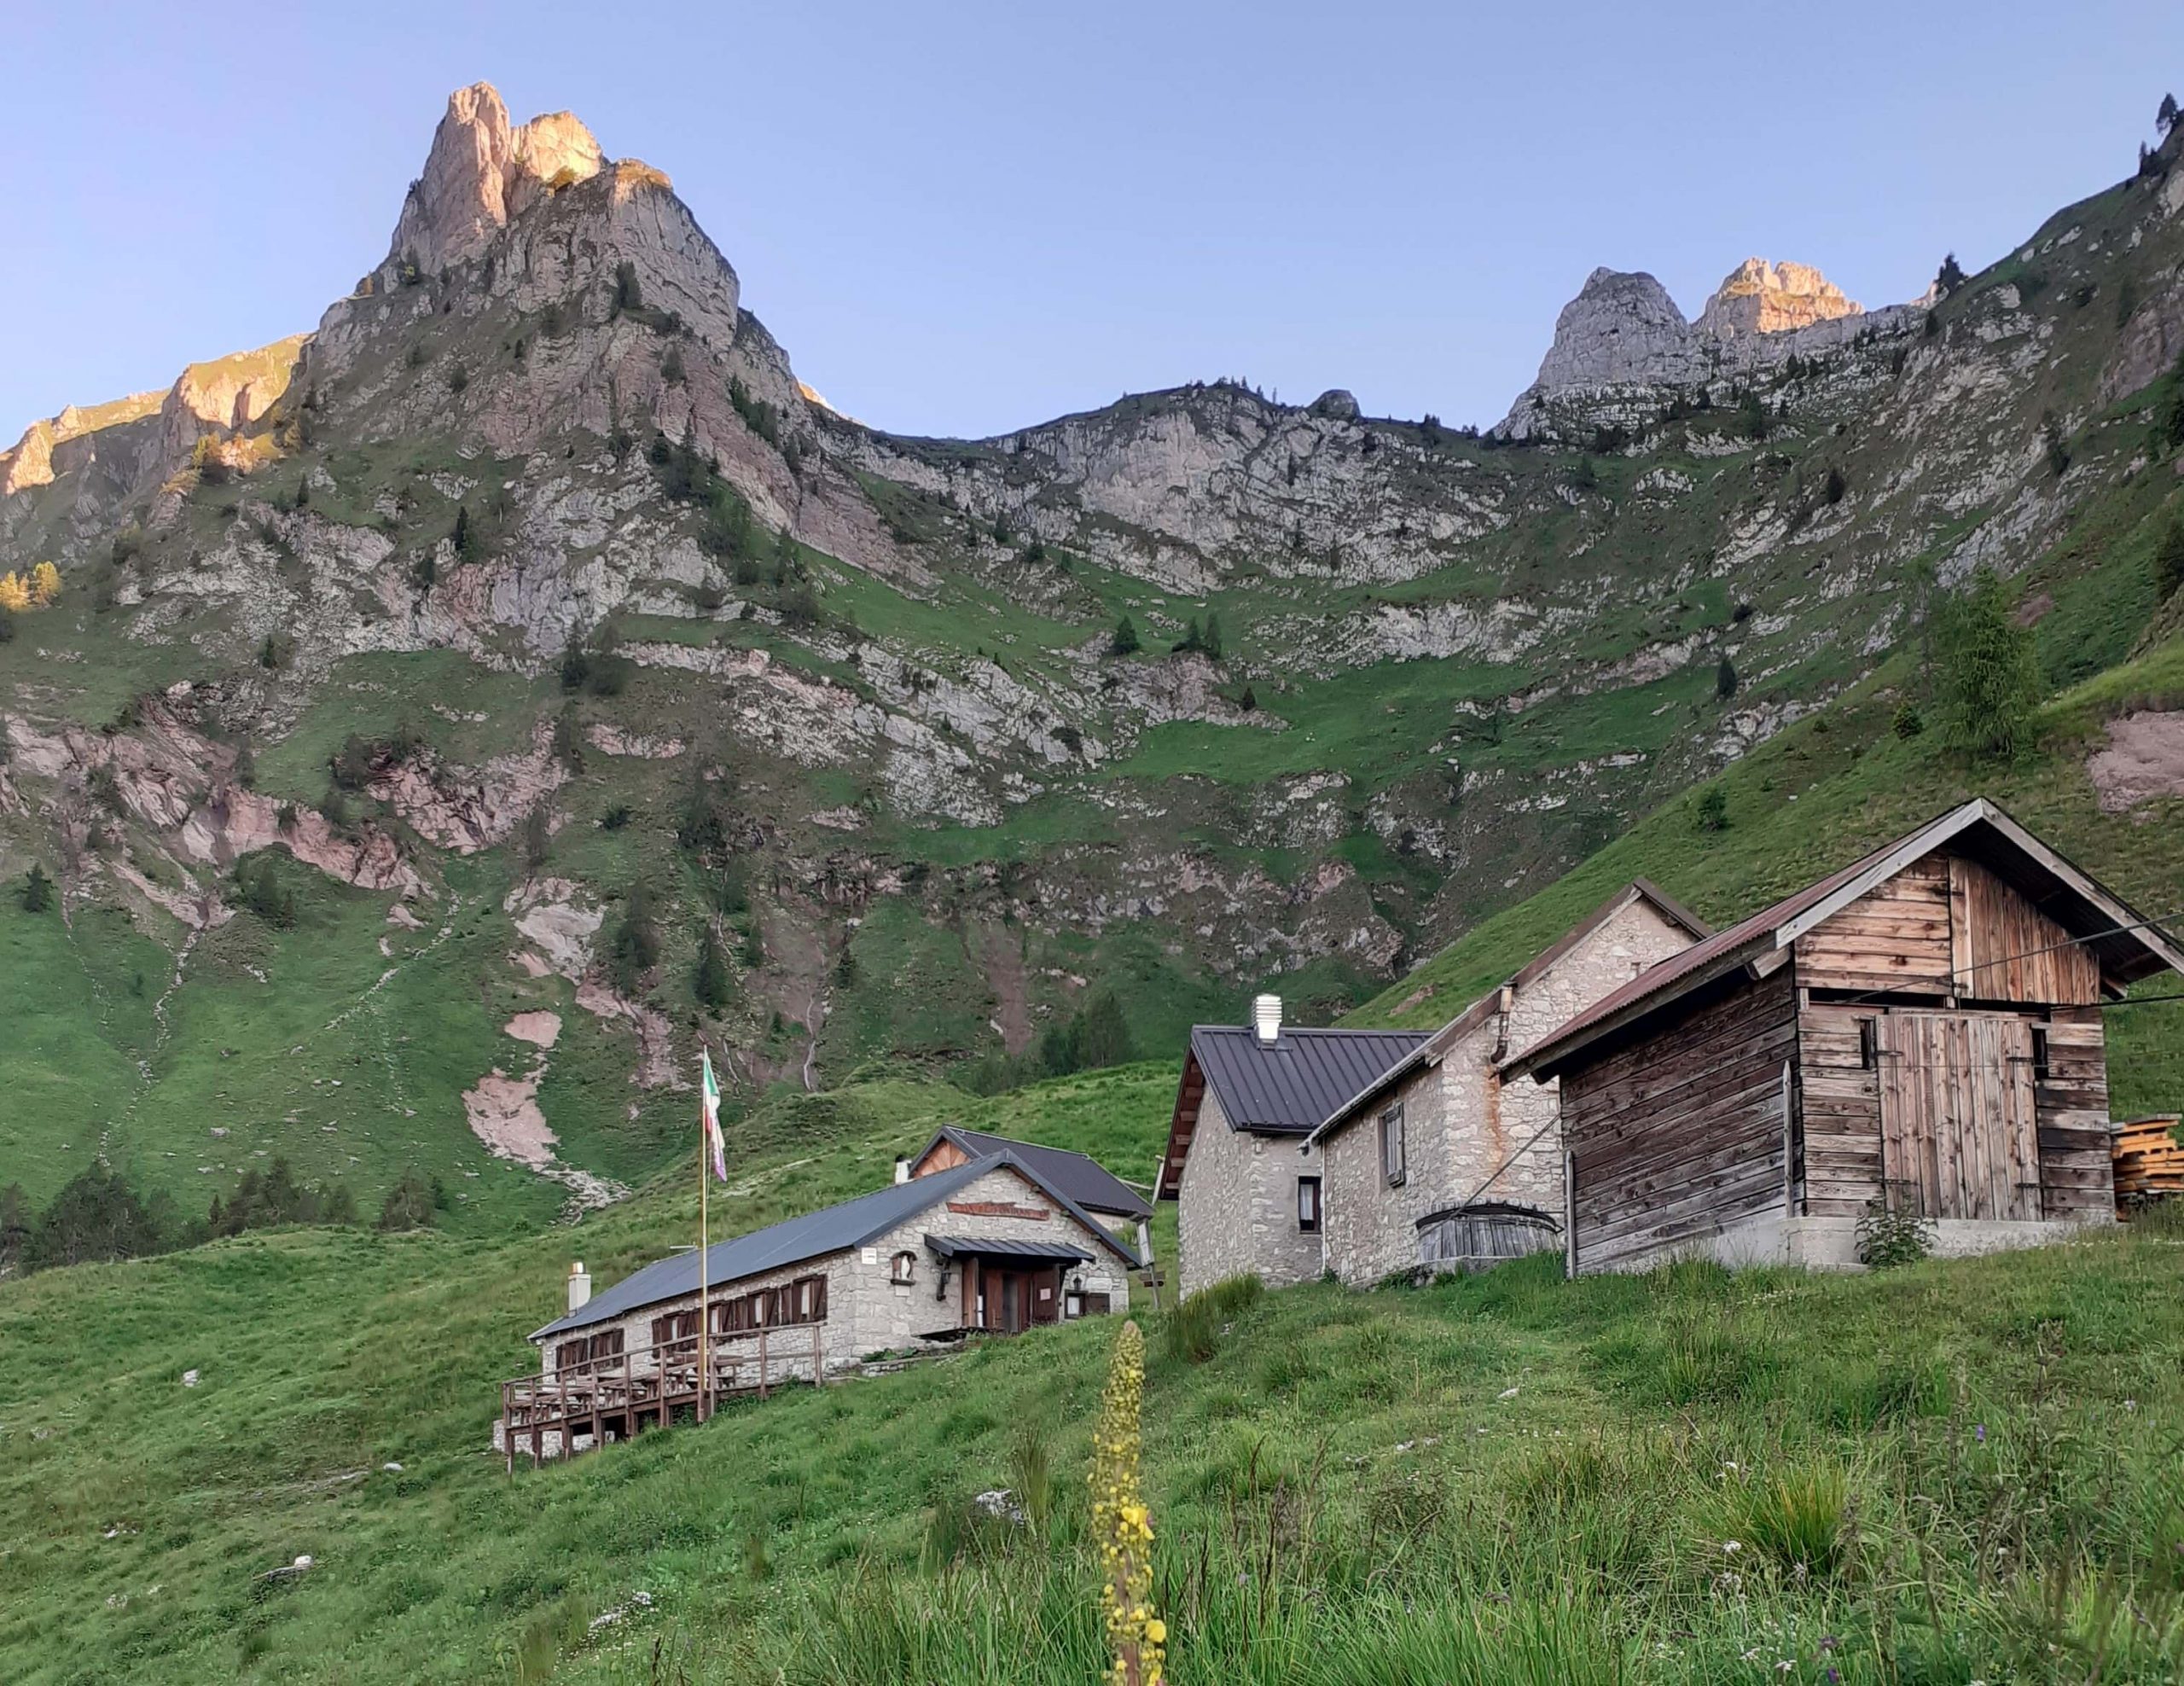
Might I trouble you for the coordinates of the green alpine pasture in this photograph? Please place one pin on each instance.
(1946, 1473)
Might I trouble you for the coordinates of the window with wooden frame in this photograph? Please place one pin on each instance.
(676, 1333)
(1394, 1164)
(1308, 1205)
(587, 1353)
(904, 1269)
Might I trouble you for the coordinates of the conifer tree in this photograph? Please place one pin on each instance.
(1988, 677)
(710, 986)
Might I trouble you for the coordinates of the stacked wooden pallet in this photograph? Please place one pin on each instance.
(2149, 1162)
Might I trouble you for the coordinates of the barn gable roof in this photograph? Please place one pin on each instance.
(830, 1229)
(1079, 1175)
(1438, 1045)
(2127, 945)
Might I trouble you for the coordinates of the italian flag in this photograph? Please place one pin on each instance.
(709, 1100)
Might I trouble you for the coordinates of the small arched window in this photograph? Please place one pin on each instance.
(906, 1268)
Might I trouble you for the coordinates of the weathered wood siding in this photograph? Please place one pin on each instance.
(2076, 1165)
(1680, 1135)
(1896, 939)
(2004, 949)
(1956, 1114)
(1945, 925)
(1840, 1097)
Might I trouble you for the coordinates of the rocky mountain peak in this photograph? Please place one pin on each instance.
(482, 171)
(1758, 297)
(1621, 327)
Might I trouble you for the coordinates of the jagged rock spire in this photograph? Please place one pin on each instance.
(480, 172)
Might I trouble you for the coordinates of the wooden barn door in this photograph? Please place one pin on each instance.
(1958, 1135)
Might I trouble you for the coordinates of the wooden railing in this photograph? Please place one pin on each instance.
(651, 1386)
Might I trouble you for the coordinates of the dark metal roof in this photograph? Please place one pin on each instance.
(953, 1246)
(1289, 1086)
(2126, 945)
(831, 1229)
(1082, 1178)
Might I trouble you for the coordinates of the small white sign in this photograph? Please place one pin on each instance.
(872, 1255)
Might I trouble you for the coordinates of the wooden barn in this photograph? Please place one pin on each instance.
(1919, 1032)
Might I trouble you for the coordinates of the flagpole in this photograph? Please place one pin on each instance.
(705, 1311)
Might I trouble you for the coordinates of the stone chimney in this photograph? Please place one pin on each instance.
(579, 1287)
(1266, 1018)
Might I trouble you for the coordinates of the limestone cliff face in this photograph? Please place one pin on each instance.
(1621, 328)
(480, 173)
(32, 461)
(1622, 348)
(1762, 298)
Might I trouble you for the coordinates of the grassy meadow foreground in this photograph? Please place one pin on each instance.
(1949, 1473)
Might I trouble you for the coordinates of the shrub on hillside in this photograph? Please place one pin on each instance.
(2169, 561)
(261, 1200)
(16, 1217)
(710, 986)
(98, 1217)
(259, 891)
(1713, 810)
(633, 950)
(1124, 640)
(412, 1203)
(37, 893)
(1989, 672)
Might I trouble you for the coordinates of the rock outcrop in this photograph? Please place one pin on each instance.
(480, 173)
(1762, 298)
(1622, 348)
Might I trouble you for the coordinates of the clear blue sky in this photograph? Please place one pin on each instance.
(963, 217)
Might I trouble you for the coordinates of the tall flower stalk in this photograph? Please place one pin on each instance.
(1121, 1523)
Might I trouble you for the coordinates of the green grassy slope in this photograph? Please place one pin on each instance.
(1510, 1478)
(1834, 787)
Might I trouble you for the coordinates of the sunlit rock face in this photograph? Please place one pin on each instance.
(1758, 297)
(482, 171)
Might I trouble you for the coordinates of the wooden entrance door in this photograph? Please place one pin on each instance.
(1958, 1134)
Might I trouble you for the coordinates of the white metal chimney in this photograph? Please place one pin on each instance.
(902, 1170)
(579, 1287)
(1266, 1018)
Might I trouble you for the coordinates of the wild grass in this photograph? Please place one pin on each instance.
(1956, 1470)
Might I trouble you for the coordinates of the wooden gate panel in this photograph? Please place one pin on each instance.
(1958, 1134)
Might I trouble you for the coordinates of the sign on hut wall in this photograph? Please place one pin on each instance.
(1038, 1214)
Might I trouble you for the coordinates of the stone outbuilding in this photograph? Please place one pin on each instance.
(1247, 1203)
(1437, 1164)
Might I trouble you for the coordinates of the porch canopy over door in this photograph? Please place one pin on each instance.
(1959, 1138)
(1009, 1285)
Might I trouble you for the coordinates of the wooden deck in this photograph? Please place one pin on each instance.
(2149, 1163)
(650, 1387)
